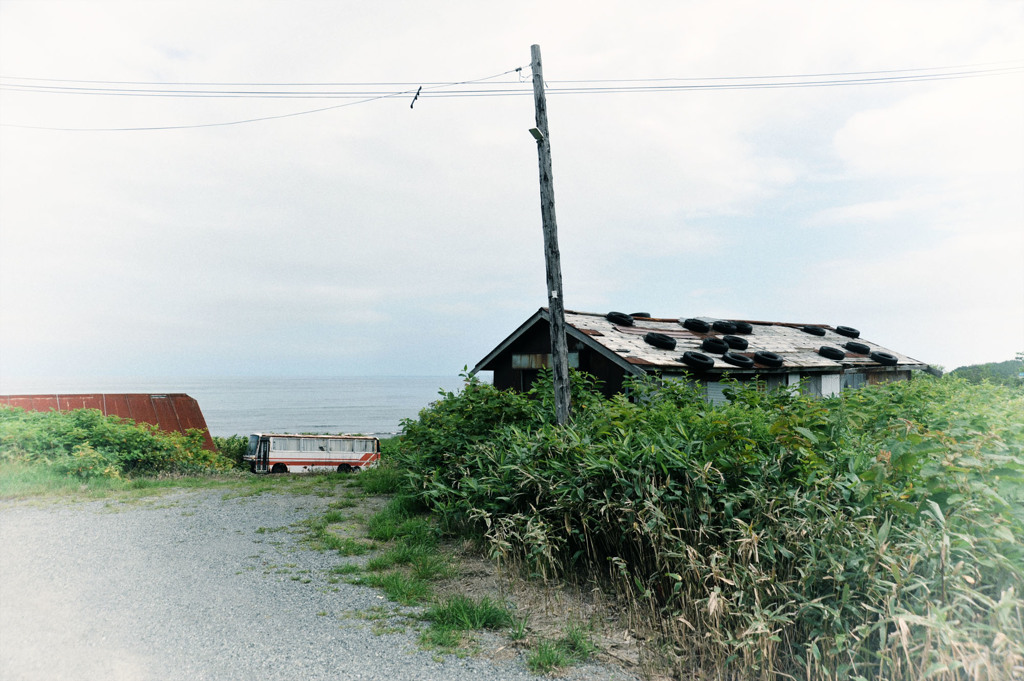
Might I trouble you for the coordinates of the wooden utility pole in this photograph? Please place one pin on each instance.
(552, 260)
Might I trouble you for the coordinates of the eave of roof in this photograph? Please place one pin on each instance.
(580, 334)
(626, 347)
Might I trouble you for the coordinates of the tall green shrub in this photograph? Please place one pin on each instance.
(233, 448)
(85, 443)
(873, 535)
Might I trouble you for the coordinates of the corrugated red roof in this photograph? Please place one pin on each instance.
(174, 413)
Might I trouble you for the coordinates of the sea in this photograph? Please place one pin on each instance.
(368, 405)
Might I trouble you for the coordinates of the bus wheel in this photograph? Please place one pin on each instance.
(344, 468)
(279, 468)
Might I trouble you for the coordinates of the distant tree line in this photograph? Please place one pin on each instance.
(999, 373)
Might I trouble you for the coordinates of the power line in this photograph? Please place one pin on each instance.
(484, 87)
(1017, 63)
(260, 118)
(172, 88)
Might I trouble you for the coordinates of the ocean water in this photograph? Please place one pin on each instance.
(373, 405)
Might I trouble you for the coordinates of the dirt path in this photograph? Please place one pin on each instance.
(200, 585)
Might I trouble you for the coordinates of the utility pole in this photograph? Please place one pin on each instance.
(552, 259)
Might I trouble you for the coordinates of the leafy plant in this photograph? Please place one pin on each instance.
(234, 448)
(877, 534)
(86, 444)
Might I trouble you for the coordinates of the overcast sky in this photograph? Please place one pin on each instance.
(376, 238)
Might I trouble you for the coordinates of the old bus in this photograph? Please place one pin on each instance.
(274, 453)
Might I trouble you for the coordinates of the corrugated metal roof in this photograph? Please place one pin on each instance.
(625, 345)
(176, 412)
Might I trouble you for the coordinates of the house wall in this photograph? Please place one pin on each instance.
(604, 370)
(813, 384)
(536, 341)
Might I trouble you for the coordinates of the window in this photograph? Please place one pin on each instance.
(280, 444)
(853, 381)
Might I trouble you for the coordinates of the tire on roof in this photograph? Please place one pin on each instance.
(735, 342)
(829, 352)
(723, 326)
(660, 340)
(856, 347)
(696, 325)
(884, 358)
(768, 359)
(738, 360)
(698, 361)
(714, 345)
(620, 318)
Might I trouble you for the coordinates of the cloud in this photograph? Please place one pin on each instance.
(969, 129)
(341, 235)
(954, 301)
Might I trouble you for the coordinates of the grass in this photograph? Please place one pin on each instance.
(463, 613)
(546, 657)
(345, 546)
(381, 479)
(459, 614)
(397, 520)
(441, 637)
(573, 647)
(405, 570)
(398, 587)
(577, 642)
(517, 632)
(425, 562)
(322, 538)
(19, 480)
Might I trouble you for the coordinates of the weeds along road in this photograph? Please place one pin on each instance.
(186, 585)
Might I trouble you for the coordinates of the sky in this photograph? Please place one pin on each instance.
(161, 236)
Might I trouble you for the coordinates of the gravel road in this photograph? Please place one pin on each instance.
(184, 586)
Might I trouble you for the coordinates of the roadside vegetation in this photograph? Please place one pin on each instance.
(49, 451)
(411, 560)
(877, 535)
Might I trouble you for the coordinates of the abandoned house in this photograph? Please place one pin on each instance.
(822, 359)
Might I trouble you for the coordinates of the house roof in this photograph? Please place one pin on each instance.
(625, 346)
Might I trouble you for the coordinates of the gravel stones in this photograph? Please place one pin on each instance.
(187, 585)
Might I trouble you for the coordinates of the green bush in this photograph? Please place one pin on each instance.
(233, 448)
(877, 534)
(85, 444)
